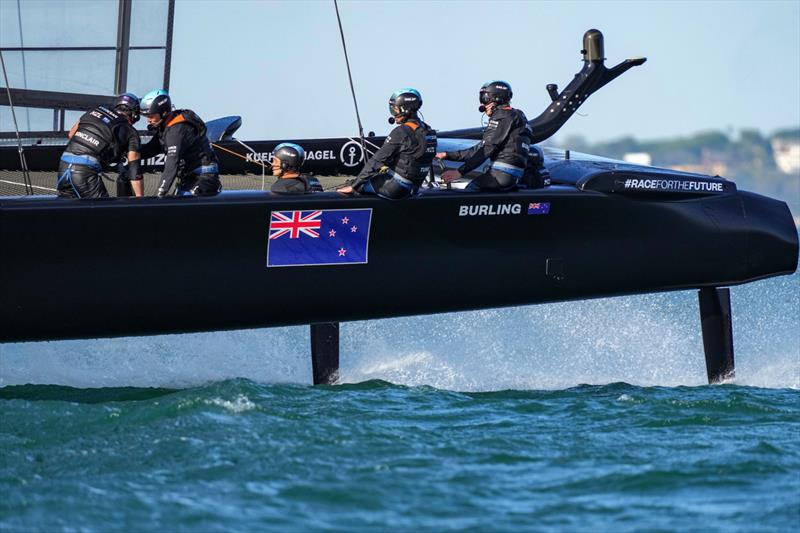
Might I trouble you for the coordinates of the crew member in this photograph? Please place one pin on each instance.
(506, 143)
(102, 136)
(287, 159)
(400, 166)
(181, 135)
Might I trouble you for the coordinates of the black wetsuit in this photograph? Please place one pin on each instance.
(302, 184)
(506, 143)
(190, 158)
(104, 136)
(407, 152)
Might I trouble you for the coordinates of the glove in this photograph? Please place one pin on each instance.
(451, 175)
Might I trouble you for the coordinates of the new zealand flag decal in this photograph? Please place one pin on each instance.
(325, 237)
(539, 208)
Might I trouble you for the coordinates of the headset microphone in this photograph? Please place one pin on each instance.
(482, 109)
(391, 120)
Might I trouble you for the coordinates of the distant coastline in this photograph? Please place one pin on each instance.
(765, 163)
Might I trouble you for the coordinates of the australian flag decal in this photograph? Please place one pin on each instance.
(325, 237)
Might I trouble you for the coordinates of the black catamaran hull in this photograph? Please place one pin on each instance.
(120, 266)
(124, 266)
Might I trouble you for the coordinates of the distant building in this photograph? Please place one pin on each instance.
(638, 158)
(787, 154)
(709, 169)
(712, 163)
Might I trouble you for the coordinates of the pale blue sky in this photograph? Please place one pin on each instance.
(711, 64)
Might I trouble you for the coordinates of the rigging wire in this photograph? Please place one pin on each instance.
(240, 156)
(22, 56)
(352, 88)
(23, 162)
(263, 166)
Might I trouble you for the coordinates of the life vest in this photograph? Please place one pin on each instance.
(95, 134)
(190, 117)
(415, 166)
(515, 149)
(304, 183)
(200, 153)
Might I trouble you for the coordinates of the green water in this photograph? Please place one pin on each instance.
(241, 456)
(467, 421)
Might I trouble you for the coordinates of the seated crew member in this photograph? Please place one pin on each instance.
(100, 137)
(406, 153)
(181, 135)
(506, 143)
(287, 159)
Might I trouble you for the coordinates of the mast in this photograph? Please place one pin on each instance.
(123, 47)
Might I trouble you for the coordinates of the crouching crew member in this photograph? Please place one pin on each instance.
(101, 136)
(401, 165)
(506, 143)
(287, 159)
(181, 135)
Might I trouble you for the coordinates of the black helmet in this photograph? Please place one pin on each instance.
(405, 102)
(156, 103)
(498, 92)
(292, 156)
(128, 104)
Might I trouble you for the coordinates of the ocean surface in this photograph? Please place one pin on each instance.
(584, 416)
